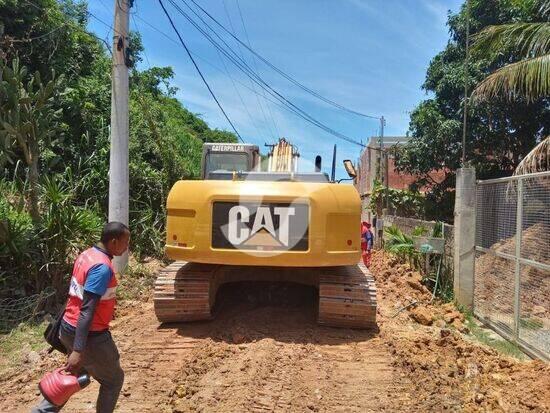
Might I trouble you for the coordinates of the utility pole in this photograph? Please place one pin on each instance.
(118, 163)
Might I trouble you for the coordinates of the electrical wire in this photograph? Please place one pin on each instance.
(254, 62)
(243, 66)
(198, 69)
(144, 50)
(280, 71)
(208, 62)
(245, 107)
(30, 39)
(105, 6)
(274, 135)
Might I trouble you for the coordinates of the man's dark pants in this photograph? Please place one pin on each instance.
(101, 360)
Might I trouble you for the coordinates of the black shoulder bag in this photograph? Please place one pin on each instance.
(52, 334)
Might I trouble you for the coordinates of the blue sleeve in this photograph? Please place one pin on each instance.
(370, 239)
(98, 279)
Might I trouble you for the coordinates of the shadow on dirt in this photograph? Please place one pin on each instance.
(252, 311)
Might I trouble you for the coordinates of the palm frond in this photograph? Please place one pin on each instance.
(538, 160)
(528, 79)
(529, 39)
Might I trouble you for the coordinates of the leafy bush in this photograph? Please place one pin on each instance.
(402, 202)
(419, 231)
(64, 230)
(17, 234)
(35, 255)
(402, 245)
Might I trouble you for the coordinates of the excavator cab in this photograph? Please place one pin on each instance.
(228, 157)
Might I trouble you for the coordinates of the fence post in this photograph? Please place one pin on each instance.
(464, 237)
(517, 278)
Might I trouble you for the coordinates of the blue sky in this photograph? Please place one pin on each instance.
(369, 55)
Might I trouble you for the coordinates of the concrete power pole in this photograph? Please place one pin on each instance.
(118, 165)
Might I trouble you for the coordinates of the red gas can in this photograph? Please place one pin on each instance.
(59, 385)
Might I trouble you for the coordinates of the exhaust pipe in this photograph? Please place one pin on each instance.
(318, 163)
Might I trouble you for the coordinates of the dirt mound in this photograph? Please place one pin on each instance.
(495, 278)
(449, 371)
(401, 290)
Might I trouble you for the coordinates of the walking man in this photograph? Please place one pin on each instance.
(85, 327)
(367, 242)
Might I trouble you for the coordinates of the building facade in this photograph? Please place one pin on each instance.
(372, 166)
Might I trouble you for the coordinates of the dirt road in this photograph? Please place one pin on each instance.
(264, 352)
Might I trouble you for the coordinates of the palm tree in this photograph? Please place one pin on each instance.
(528, 78)
(538, 160)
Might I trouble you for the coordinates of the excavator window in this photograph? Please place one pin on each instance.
(226, 161)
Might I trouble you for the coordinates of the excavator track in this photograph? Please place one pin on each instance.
(347, 297)
(185, 291)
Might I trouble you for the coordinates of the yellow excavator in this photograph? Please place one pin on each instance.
(242, 223)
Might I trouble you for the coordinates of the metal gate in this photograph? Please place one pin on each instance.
(512, 264)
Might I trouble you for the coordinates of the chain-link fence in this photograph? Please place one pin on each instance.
(512, 266)
(17, 310)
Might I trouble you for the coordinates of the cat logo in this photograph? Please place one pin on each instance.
(260, 227)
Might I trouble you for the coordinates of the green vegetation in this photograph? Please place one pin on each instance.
(401, 245)
(136, 283)
(529, 77)
(490, 339)
(54, 144)
(438, 279)
(15, 346)
(501, 132)
(402, 202)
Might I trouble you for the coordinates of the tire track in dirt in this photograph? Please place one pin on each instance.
(151, 355)
(277, 359)
(255, 356)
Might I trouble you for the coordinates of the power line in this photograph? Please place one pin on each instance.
(209, 63)
(280, 71)
(238, 93)
(105, 6)
(278, 102)
(254, 62)
(251, 83)
(243, 66)
(198, 70)
(144, 51)
(30, 39)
